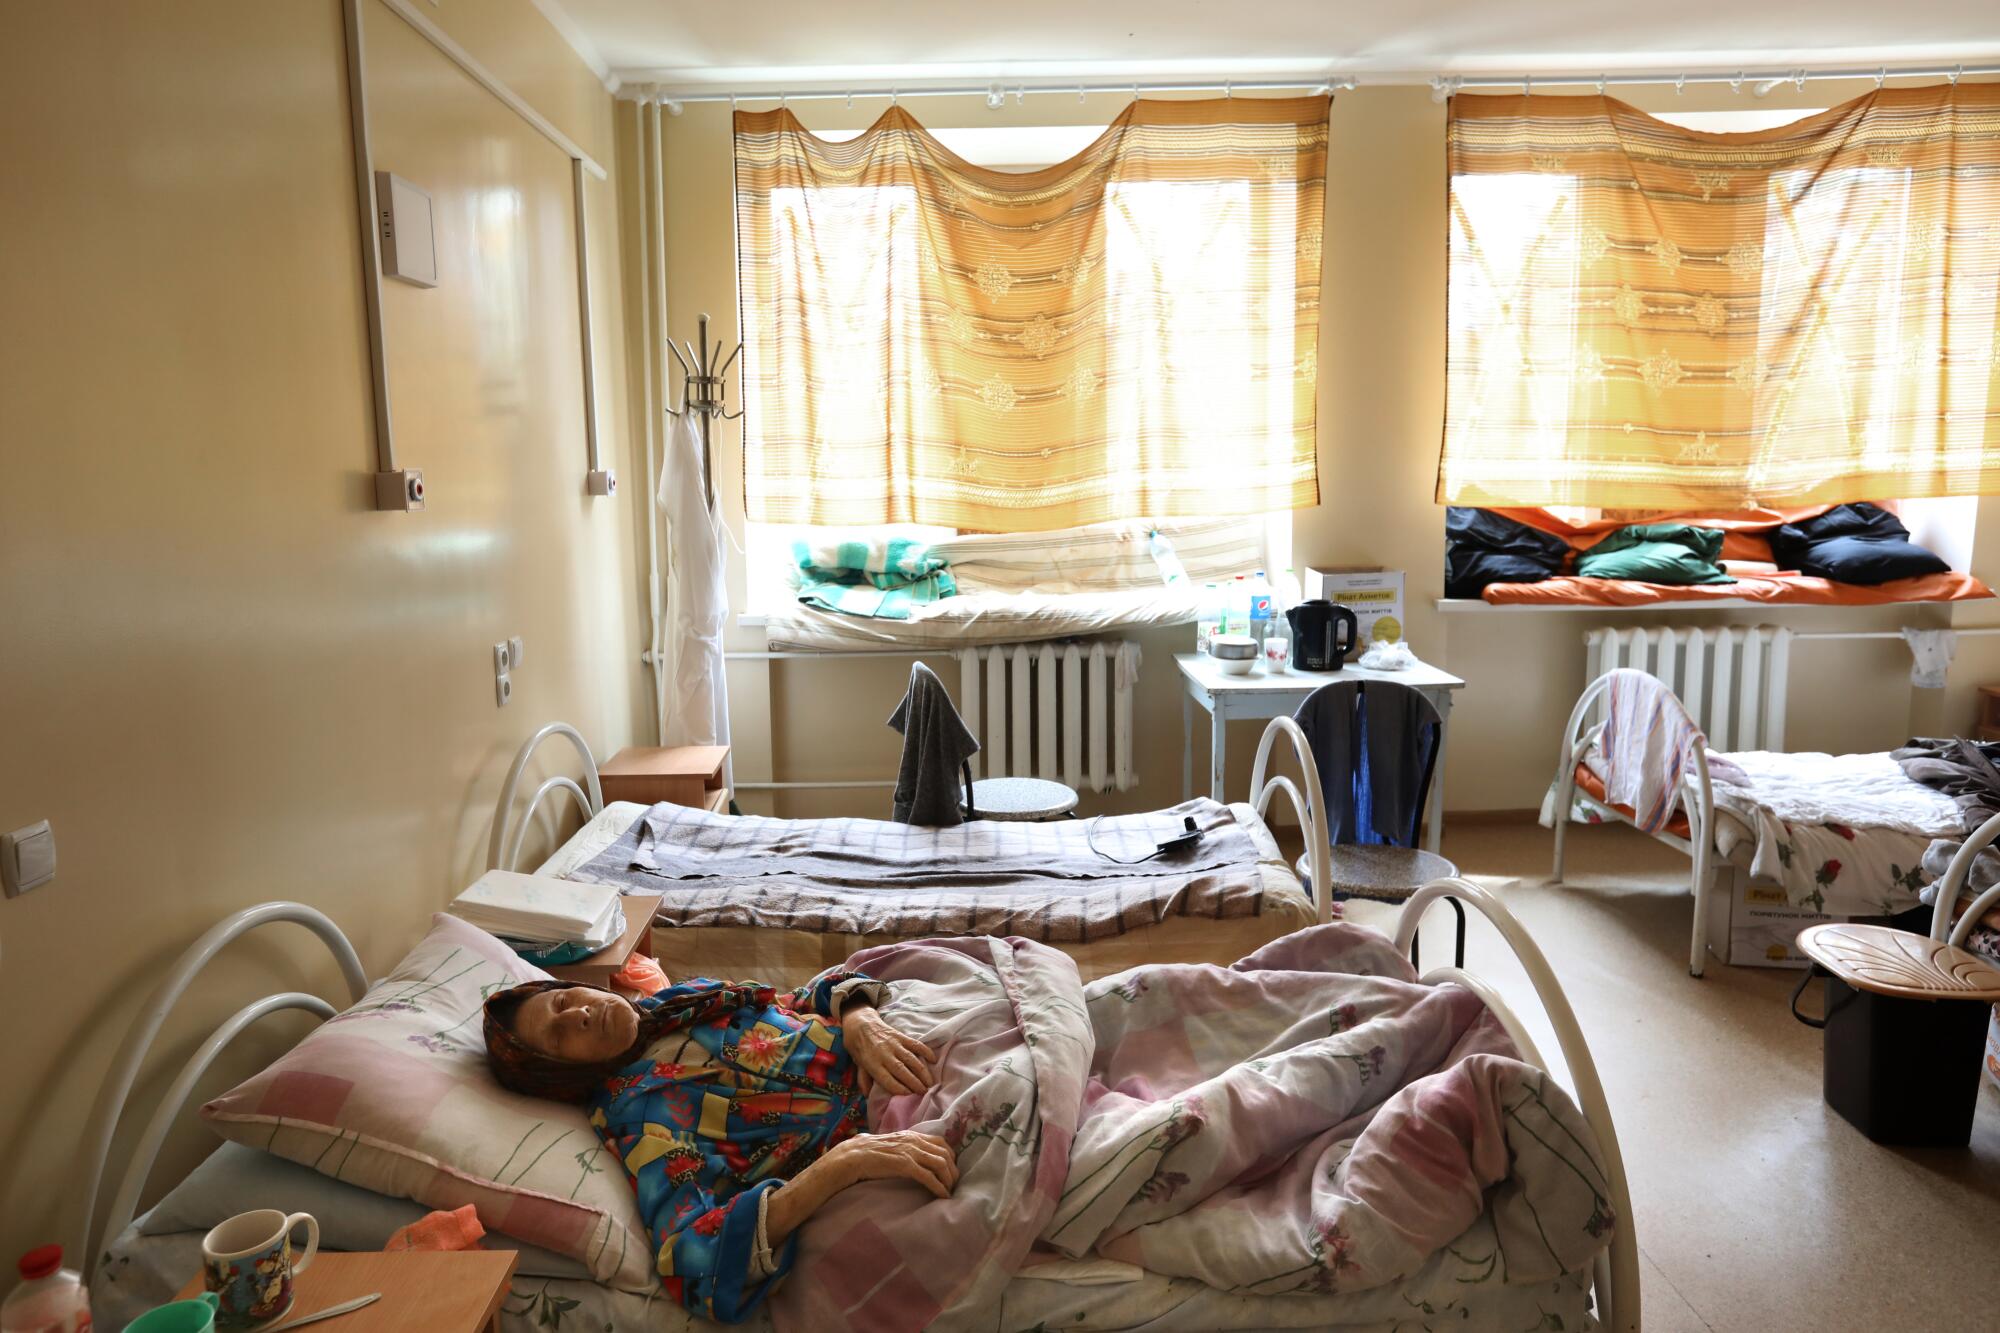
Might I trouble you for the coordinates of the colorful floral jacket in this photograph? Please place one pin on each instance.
(745, 1088)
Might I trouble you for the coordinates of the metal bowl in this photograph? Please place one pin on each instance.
(1232, 647)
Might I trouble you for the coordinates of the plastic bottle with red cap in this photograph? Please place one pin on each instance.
(50, 1299)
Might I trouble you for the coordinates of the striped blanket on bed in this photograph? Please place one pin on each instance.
(1060, 882)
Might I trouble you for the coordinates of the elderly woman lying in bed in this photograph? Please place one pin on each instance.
(738, 1110)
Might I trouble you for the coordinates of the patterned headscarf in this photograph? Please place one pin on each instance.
(521, 1068)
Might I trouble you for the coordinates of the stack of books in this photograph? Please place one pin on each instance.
(539, 913)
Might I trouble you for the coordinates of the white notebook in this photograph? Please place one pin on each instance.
(541, 910)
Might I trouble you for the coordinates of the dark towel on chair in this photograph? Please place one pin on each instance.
(1375, 745)
(936, 746)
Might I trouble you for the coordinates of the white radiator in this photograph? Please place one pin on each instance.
(1732, 680)
(1061, 711)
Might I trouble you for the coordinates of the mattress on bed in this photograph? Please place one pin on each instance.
(140, 1271)
(1841, 834)
(790, 957)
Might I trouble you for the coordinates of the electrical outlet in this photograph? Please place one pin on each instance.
(503, 689)
(502, 663)
(602, 482)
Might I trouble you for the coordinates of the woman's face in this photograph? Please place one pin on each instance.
(577, 1023)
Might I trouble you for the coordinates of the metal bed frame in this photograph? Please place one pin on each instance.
(1616, 1273)
(1697, 799)
(1952, 886)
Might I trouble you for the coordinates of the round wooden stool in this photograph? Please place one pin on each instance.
(1019, 800)
(1903, 1046)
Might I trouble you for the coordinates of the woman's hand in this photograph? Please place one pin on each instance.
(904, 1155)
(883, 1055)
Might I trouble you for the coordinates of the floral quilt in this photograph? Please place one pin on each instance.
(1308, 1122)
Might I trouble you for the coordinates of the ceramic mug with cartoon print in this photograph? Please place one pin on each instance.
(248, 1263)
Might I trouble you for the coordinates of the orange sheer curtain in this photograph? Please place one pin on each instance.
(1645, 316)
(1131, 333)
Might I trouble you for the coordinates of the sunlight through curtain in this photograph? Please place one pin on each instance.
(1131, 333)
(1645, 316)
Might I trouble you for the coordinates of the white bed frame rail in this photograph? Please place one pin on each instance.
(1953, 885)
(1617, 1272)
(109, 1107)
(1697, 800)
(503, 847)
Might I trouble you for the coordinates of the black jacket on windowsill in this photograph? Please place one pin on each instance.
(1482, 547)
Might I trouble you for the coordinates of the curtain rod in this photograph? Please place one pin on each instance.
(994, 93)
(1442, 85)
(1761, 81)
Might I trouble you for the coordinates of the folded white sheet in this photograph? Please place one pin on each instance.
(541, 910)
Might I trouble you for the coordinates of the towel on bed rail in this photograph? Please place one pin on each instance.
(1070, 881)
(1648, 744)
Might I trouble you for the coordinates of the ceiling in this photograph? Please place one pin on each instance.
(689, 44)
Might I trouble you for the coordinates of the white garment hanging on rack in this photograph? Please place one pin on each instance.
(697, 594)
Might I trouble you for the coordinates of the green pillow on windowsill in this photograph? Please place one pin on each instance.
(1676, 553)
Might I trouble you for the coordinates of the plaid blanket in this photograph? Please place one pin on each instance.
(1069, 881)
(871, 577)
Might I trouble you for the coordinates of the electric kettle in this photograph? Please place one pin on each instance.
(1323, 634)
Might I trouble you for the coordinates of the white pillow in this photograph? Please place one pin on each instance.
(394, 1096)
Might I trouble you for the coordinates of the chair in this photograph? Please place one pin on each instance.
(934, 784)
(1376, 746)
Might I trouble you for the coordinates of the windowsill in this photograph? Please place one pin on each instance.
(753, 620)
(1473, 605)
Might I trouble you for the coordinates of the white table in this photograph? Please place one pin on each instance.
(1265, 694)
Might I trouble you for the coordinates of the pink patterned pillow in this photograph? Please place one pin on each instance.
(394, 1096)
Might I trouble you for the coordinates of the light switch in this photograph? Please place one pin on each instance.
(27, 858)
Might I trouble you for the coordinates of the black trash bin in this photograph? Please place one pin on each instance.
(1905, 1025)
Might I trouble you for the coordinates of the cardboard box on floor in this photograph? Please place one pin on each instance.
(1762, 927)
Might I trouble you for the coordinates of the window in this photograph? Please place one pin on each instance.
(1128, 333)
(1648, 316)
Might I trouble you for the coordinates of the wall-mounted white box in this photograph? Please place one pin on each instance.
(27, 858)
(403, 213)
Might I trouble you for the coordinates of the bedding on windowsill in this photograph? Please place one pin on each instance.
(1776, 589)
(1023, 587)
(1761, 574)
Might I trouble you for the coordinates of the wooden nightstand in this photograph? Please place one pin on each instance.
(596, 970)
(1988, 728)
(457, 1292)
(689, 775)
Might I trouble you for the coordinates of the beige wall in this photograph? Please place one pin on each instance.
(1380, 420)
(223, 676)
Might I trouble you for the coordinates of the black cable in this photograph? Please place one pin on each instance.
(1090, 841)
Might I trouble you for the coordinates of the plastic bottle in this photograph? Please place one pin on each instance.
(1206, 614)
(1171, 568)
(1238, 591)
(1261, 608)
(50, 1299)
